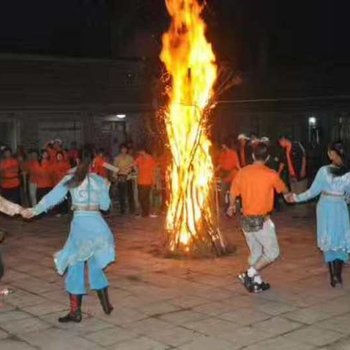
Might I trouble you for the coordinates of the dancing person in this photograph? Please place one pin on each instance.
(90, 240)
(124, 162)
(244, 150)
(333, 227)
(98, 165)
(256, 184)
(146, 166)
(293, 164)
(10, 177)
(227, 168)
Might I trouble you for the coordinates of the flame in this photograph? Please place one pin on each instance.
(190, 62)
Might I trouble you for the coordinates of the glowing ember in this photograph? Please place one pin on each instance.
(190, 62)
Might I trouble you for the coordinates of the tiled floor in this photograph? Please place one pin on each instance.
(173, 303)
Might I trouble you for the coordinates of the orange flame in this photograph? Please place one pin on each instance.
(190, 62)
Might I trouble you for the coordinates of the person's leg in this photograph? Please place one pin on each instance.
(32, 194)
(122, 196)
(335, 260)
(142, 191)
(256, 252)
(75, 286)
(130, 193)
(99, 282)
(267, 240)
(147, 204)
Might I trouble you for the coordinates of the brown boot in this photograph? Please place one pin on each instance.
(104, 300)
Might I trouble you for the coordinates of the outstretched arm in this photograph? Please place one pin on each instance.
(54, 197)
(314, 190)
(8, 207)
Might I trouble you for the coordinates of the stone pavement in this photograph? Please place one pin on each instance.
(173, 304)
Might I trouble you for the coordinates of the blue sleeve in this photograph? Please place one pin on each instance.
(105, 199)
(315, 189)
(54, 197)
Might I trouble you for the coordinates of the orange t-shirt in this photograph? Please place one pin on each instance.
(9, 170)
(98, 167)
(256, 185)
(43, 174)
(59, 170)
(146, 166)
(229, 162)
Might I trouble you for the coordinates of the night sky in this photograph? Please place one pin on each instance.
(294, 32)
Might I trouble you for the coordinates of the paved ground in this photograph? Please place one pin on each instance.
(173, 304)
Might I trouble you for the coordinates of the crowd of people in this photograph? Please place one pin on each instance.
(137, 177)
(250, 176)
(287, 158)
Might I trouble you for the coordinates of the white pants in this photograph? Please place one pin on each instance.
(263, 243)
(32, 193)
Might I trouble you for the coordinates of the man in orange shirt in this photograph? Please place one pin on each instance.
(228, 166)
(10, 177)
(256, 185)
(146, 167)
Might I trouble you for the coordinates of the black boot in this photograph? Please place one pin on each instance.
(75, 310)
(333, 278)
(104, 300)
(338, 270)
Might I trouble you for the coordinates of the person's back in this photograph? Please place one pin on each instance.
(256, 185)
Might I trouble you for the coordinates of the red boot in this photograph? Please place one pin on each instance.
(75, 309)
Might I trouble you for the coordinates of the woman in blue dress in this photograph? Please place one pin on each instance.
(332, 183)
(90, 241)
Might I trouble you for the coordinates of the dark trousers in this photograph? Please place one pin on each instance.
(41, 192)
(144, 199)
(126, 192)
(12, 194)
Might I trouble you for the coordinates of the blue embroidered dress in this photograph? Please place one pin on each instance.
(90, 237)
(333, 226)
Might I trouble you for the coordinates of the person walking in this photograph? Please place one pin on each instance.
(124, 162)
(146, 167)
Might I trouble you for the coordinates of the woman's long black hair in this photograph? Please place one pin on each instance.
(83, 168)
(338, 148)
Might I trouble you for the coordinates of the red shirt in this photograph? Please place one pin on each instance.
(43, 174)
(98, 167)
(146, 166)
(9, 170)
(59, 170)
(228, 162)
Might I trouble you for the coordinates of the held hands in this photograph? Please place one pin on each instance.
(27, 213)
(290, 197)
(231, 211)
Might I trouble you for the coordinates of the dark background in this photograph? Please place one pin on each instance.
(246, 32)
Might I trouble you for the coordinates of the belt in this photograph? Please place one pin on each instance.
(85, 208)
(333, 194)
(265, 217)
